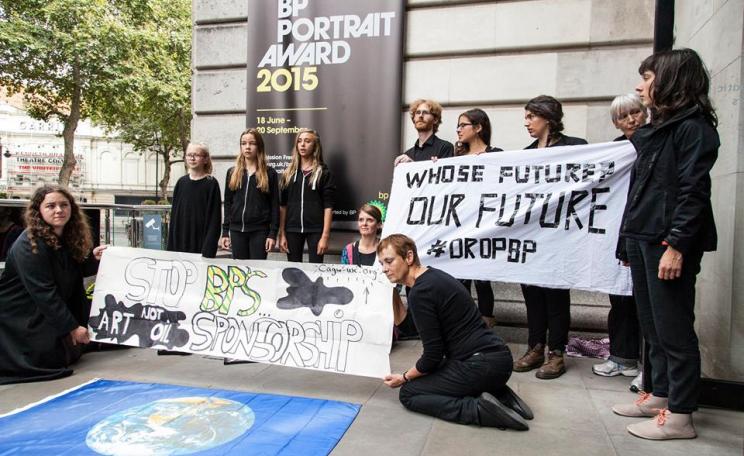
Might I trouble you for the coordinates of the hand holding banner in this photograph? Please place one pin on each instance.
(336, 318)
(547, 217)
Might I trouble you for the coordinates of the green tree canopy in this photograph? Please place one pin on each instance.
(123, 63)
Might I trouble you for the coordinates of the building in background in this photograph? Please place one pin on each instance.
(107, 169)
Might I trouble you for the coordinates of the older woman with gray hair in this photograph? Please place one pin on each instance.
(628, 114)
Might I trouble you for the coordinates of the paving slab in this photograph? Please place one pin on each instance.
(572, 414)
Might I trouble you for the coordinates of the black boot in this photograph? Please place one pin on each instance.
(509, 398)
(493, 413)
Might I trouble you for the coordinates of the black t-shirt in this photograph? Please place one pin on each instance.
(432, 147)
(447, 320)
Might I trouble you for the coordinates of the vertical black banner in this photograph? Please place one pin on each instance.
(334, 66)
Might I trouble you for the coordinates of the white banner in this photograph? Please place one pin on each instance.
(546, 217)
(329, 317)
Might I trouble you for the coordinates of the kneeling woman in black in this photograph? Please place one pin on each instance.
(43, 309)
(548, 309)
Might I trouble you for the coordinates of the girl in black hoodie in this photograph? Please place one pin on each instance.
(307, 197)
(251, 202)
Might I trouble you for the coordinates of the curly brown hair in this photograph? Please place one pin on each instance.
(76, 235)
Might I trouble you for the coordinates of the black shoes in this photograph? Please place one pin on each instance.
(492, 413)
(509, 398)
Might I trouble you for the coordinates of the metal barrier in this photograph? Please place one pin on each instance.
(121, 224)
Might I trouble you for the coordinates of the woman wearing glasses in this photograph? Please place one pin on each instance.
(474, 138)
(195, 213)
(548, 309)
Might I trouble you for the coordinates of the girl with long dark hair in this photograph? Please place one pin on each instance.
(43, 308)
(474, 138)
(667, 225)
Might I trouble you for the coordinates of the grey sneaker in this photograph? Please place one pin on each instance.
(636, 385)
(611, 368)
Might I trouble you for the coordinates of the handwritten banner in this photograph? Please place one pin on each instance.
(546, 217)
(335, 318)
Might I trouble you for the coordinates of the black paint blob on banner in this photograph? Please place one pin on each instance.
(153, 325)
(303, 292)
(334, 66)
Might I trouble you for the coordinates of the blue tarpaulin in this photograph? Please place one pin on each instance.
(124, 418)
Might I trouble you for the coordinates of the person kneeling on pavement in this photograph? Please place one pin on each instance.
(461, 375)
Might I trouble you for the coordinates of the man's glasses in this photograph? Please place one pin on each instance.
(421, 113)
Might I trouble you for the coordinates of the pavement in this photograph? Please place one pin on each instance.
(572, 413)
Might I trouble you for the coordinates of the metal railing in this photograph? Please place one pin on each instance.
(125, 225)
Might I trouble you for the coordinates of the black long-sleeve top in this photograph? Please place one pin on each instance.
(42, 300)
(248, 209)
(306, 201)
(448, 320)
(195, 216)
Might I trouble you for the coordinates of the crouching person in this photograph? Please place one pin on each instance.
(461, 375)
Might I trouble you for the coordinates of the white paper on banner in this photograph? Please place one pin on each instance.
(330, 317)
(547, 217)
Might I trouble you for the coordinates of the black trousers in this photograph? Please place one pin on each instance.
(485, 295)
(296, 244)
(624, 331)
(249, 246)
(548, 316)
(451, 391)
(666, 312)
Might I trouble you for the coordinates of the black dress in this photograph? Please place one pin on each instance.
(41, 301)
(196, 215)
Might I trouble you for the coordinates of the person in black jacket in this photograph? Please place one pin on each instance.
(194, 225)
(474, 138)
(628, 115)
(548, 309)
(251, 201)
(462, 373)
(43, 308)
(307, 197)
(667, 225)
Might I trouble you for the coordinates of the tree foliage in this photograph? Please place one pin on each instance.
(122, 63)
(156, 115)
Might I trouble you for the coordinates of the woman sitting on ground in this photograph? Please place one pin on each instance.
(43, 308)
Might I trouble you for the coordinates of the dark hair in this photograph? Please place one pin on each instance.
(477, 117)
(401, 244)
(681, 81)
(549, 109)
(76, 234)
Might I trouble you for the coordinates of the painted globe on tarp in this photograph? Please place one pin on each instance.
(182, 425)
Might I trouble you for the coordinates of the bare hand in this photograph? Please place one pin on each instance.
(434, 158)
(283, 244)
(79, 335)
(98, 251)
(225, 243)
(625, 263)
(270, 243)
(670, 265)
(394, 380)
(403, 158)
(322, 245)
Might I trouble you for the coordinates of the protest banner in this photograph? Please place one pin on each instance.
(329, 317)
(547, 217)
